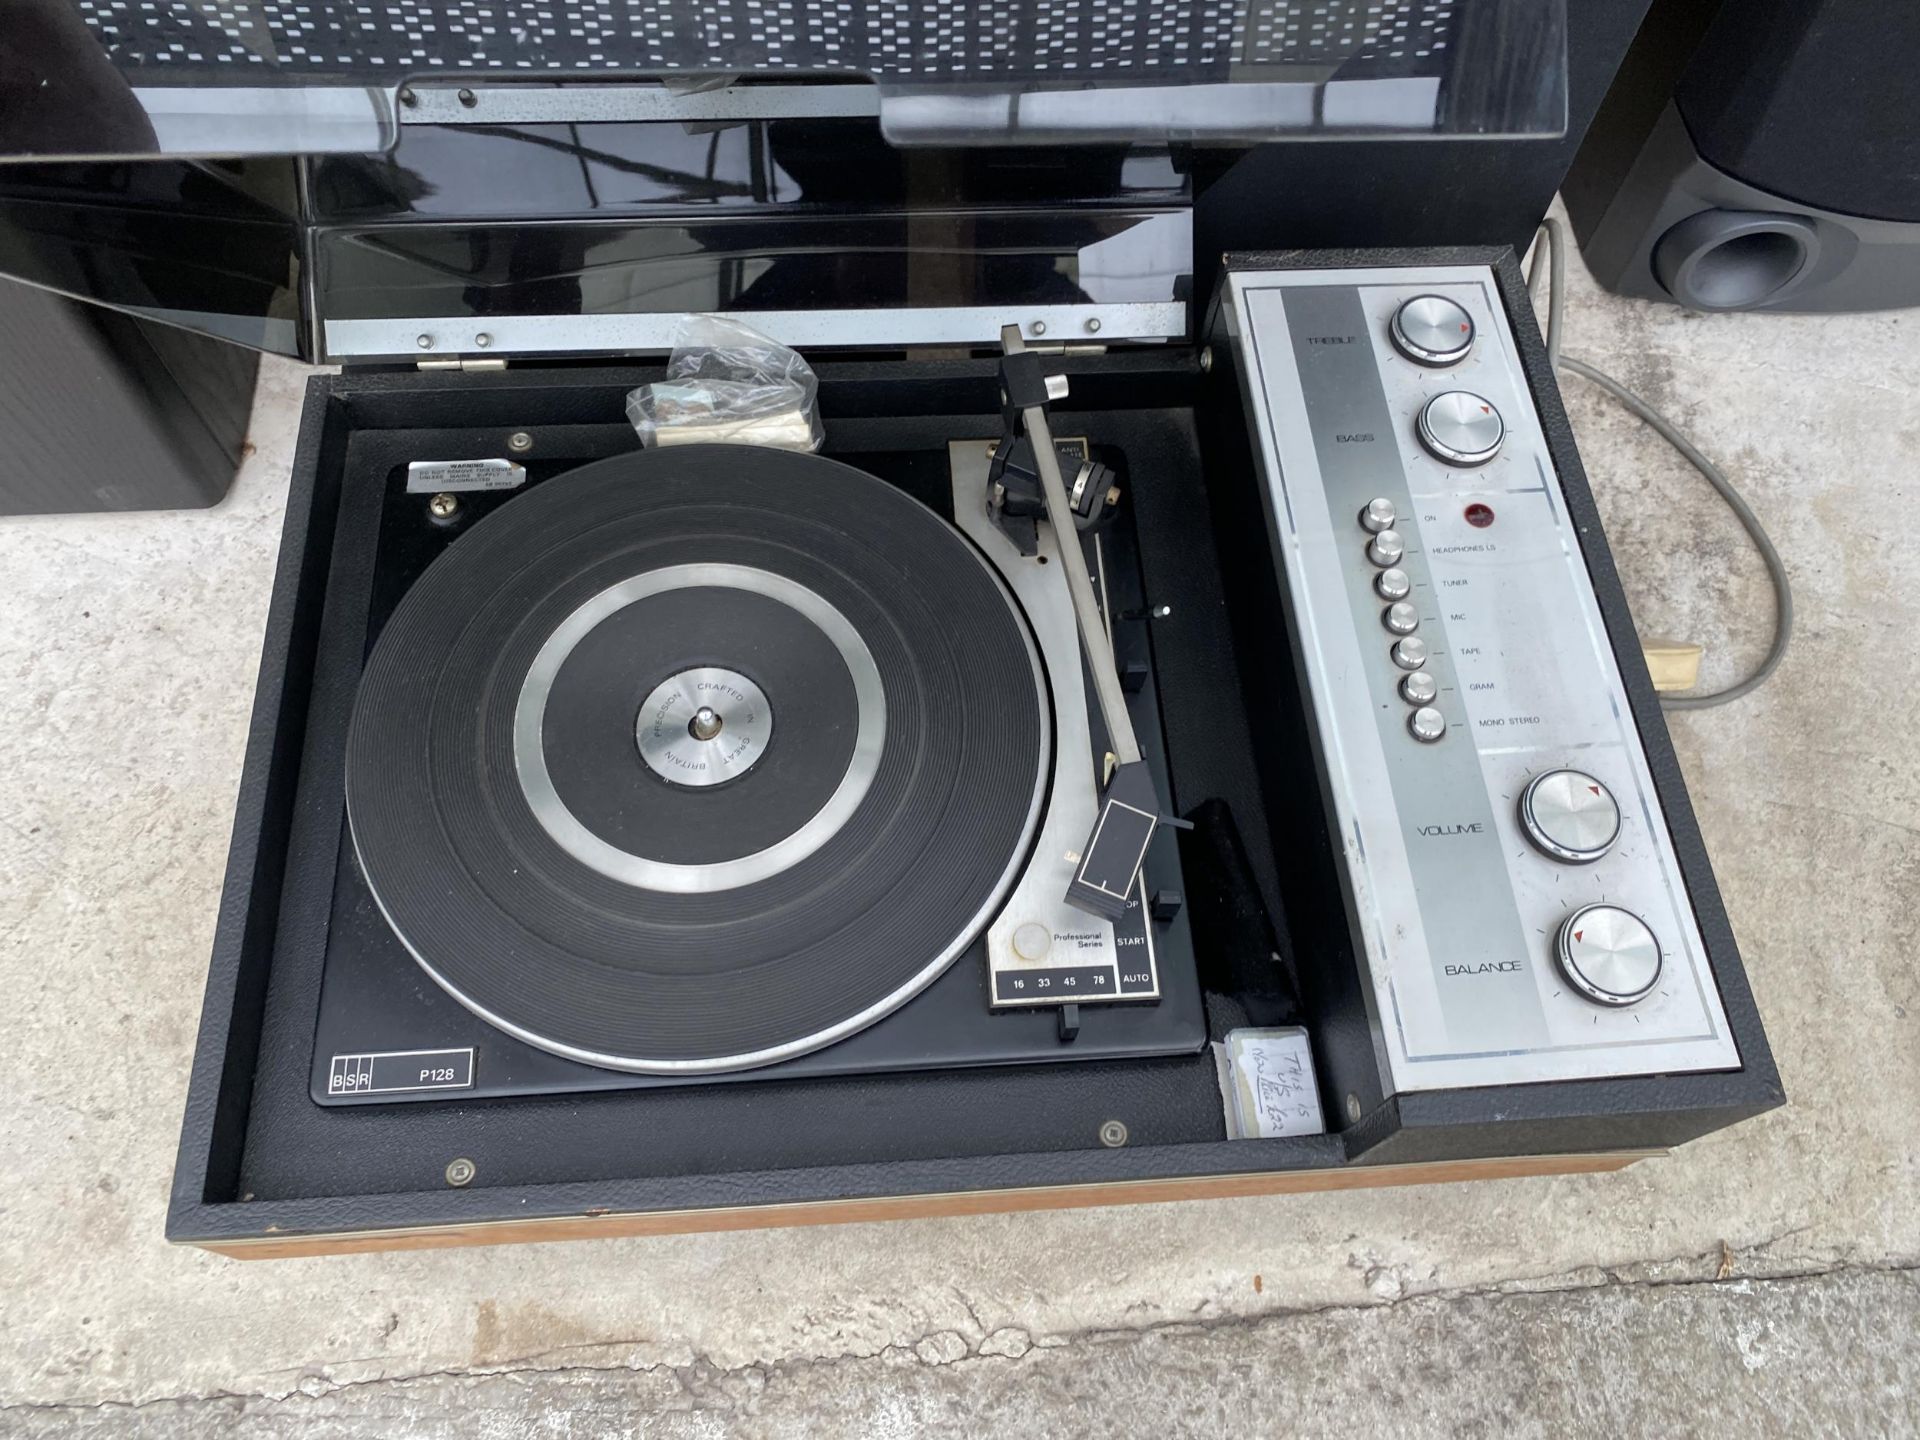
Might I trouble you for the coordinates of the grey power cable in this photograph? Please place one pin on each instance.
(1552, 245)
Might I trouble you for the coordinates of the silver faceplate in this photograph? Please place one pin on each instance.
(1456, 914)
(1041, 950)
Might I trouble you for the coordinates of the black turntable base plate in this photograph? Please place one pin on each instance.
(547, 830)
(379, 1010)
(378, 1002)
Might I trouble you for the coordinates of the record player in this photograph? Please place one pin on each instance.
(820, 806)
(1180, 735)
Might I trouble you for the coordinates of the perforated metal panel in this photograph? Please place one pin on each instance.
(920, 40)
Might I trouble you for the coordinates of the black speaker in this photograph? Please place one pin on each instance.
(106, 411)
(1764, 156)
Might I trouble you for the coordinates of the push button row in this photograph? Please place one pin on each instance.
(1386, 549)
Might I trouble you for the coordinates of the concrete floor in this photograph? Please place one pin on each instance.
(1759, 1281)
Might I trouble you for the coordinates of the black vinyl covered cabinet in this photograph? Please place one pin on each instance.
(265, 1171)
(496, 229)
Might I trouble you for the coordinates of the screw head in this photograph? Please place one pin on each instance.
(468, 98)
(461, 1172)
(1206, 360)
(408, 98)
(1113, 1134)
(1038, 327)
(482, 340)
(425, 342)
(520, 442)
(442, 506)
(1353, 1108)
(1093, 324)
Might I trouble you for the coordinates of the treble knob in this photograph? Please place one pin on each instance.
(1432, 330)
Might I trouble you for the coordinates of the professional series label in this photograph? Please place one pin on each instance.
(1092, 963)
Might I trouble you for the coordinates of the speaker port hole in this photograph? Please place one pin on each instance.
(1733, 260)
(1747, 269)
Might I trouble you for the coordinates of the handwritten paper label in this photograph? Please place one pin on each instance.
(1270, 1084)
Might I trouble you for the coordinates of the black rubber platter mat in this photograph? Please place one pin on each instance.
(644, 927)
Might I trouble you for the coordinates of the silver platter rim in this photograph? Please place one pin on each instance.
(565, 829)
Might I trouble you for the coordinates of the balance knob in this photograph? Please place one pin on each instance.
(1609, 955)
(1461, 428)
(1432, 330)
(1569, 815)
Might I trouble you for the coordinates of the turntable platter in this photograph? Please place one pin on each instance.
(699, 759)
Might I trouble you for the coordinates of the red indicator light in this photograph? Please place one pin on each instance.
(1479, 516)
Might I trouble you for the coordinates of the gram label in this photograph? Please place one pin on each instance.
(438, 477)
(391, 1071)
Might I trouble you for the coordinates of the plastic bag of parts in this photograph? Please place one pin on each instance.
(729, 384)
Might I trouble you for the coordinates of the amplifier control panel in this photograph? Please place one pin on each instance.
(1508, 869)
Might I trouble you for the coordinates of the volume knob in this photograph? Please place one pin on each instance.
(1461, 428)
(1609, 955)
(1569, 815)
